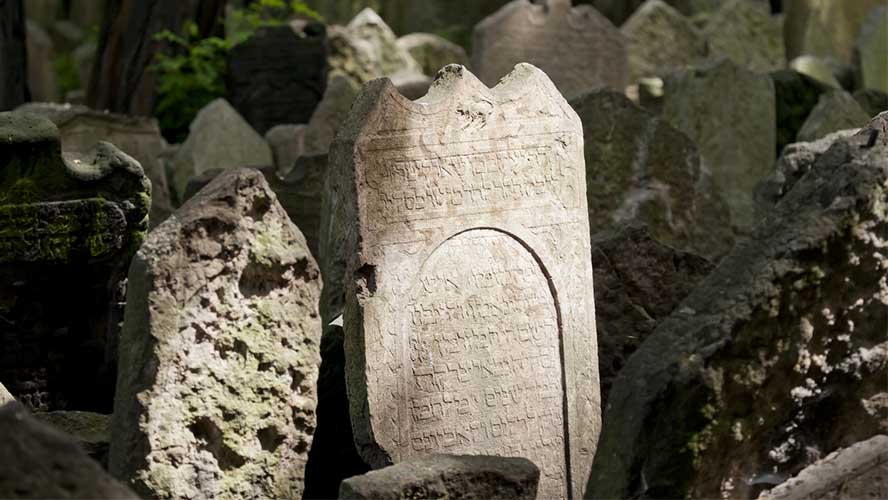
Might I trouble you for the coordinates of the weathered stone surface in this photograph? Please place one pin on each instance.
(730, 113)
(638, 283)
(13, 55)
(465, 215)
(218, 137)
(287, 144)
(659, 40)
(5, 396)
(796, 95)
(825, 28)
(92, 431)
(640, 168)
(858, 471)
(41, 74)
(367, 49)
(591, 52)
(82, 128)
(448, 476)
(816, 68)
(835, 110)
(789, 331)
(330, 113)
(795, 161)
(432, 52)
(872, 50)
(871, 100)
(219, 353)
(278, 75)
(69, 225)
(412, 86)
(745, 32)
(41, 462)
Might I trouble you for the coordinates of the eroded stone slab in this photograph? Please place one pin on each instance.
(660, 40)
(577, 47)
(219, 353)
(872, 50)
(469, 316)
(835, 110)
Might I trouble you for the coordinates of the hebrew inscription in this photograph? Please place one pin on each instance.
(469, 319)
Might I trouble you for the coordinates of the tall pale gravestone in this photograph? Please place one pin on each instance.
(469, 317)
(576, 46)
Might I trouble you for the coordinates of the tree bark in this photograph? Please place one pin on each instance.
(13, 55)
(120, 80)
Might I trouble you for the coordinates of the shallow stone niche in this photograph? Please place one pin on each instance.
(469, 317)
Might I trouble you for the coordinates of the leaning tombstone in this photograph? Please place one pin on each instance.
(278, 75)
(69, 225)
(871, 51)
(836, 110)
(660, 40)
(576, 46)
(81, 128)
(219, 353)
(469, 317)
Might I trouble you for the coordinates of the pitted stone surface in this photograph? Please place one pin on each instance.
(469, 317)
(578, 48)
(219, 354)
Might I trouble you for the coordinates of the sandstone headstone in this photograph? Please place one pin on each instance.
(794, 162)
(433, 52)
(91, 430)
(330, 114)
(816, 68)
(578, 48)
(13, 55)
(278, 75)
(730, 113)
(219, 352)
(287, 144)
(640, 168)
(872, 50)
(825, 28)
(41, 462)
(41, 74)
(787, 333)
(834, 111)
(367, 49)
(638, 283)
(412, 86)
(745, 32)
(858, 471)
(81, 128)
(659, 40)
(871, 100)
(448, 476)
(465, 217)
(5, 396)
(218, 137)
(796, 95)
(69, 225)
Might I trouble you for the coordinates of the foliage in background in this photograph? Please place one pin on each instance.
(191, 72)
(65, 67)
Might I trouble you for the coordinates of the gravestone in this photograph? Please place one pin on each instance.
(730, 113)
(219, 351)
(746, 33)
(91, 430)
(330, 113)
(469, 317)
(287, 142)
(37, 461)
(69, 225)
(825, 28)
(432, 52)
(577, 47)
(872, 51)
(640, 168)
(5, 396)
(871, 100)
(448, 476)
(660, 40)
(218, 137)
(81, 128)
(816, 68)
(835, 110)
(13, 55)
(278, 75)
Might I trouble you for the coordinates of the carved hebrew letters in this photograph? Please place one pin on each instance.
(469, 316)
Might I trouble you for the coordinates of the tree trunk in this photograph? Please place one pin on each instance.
(13, 55)
(120, 80)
